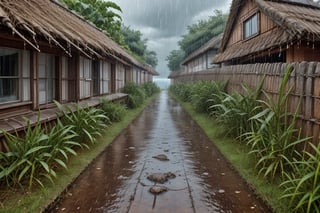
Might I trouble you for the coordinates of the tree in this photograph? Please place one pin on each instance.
(198, 34)
(151, 58)
(101, 14)
(174, 59)
(202, 32)
(133, 39)
(138, 46)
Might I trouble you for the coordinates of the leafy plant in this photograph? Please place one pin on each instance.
(26, 156)
(150, 88)
(136, 95)
(115, 112)
(182, 90)
(302, 186)
(235, 110)
(274, 142)
(204, 92)
(86, 122)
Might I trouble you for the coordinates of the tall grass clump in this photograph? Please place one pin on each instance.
(234, 111)
(136, 95)
(203, 93)
(87, 122)
(113, 111)
(275, 141)
(182, 90)
(302, 185)
(35, 156)
(150, 88)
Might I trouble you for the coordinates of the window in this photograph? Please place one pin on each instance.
(105, 76)
(96, 77)
(47, 78)
(14, 75)
(250, 26)
(64, 77)
(85, 77)
(210, 55)
(120, 77)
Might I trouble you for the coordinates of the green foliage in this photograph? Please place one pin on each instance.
(302, 186)
(114, 111)
(182, 91)
(203, 92)
(150, 57)
(235, 111)
(274, 142)
(100, 13)
(198, 34)
(150, 88)
(87, 122)
(35, 155)
(174, 59)
(136, 95)
(138, 46)
(202, 32)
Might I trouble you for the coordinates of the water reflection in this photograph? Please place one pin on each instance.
(117, 181)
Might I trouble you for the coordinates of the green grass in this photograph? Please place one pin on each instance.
(37, 199)
(244, 164)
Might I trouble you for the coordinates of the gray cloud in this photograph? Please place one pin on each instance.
(163, 22)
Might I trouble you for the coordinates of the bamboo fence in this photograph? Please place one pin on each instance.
(304, 83)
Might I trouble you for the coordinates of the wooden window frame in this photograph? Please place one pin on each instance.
(257, 14)
(52, 78)
(23, 78)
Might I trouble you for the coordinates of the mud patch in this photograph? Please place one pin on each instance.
(161, 177)
(161, 157)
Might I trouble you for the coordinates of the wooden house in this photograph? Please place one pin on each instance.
(49, 53)
(269, 31)
(201, 58)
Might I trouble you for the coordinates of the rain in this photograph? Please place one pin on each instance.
(164, 22)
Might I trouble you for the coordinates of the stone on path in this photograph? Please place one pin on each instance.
(158, 189)
(161, 177)
(161, 157)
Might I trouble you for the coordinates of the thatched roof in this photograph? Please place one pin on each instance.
(213, 43)
(35, 20)
(297, 20)
(151, 70)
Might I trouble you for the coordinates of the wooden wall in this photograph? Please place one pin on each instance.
(248, 9)
(305, 83)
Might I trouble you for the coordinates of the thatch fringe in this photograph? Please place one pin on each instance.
(34, 20)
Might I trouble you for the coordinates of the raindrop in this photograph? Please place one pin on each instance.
(205, 173)
(221, 191)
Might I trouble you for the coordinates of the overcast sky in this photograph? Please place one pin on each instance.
(163, 22)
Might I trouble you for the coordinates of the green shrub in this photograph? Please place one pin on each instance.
(114, 111)
(136, 95)
(204, 92)
(35, 155)
(87, 122)
(235, 111)
(275, 141)
(302, 186)
(182, 91)
(150, 88)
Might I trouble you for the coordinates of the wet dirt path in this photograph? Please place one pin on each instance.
(199, 179)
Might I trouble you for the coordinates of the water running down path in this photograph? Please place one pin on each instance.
(117, 181)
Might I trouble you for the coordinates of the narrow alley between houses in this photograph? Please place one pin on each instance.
(162, 162)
